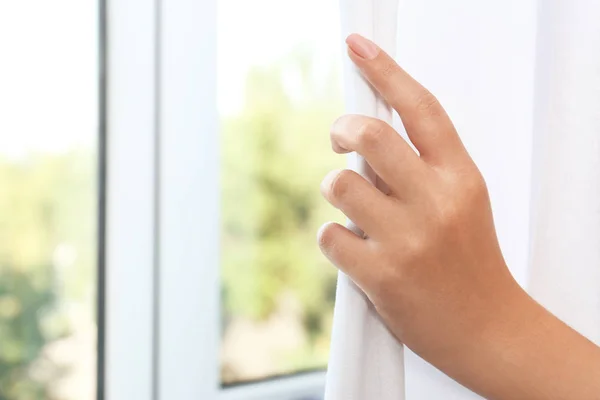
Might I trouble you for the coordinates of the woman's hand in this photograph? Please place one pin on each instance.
(430, 260)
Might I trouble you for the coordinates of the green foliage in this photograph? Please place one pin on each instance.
(47, 201)
(274, 156)
(21, 333)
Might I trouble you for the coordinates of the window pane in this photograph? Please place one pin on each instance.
(48, 133)
(279, 90)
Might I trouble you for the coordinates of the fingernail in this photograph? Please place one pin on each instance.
(362, 47)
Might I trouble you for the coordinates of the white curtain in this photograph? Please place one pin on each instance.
(359, 337)
(521, 81)
(565, 234)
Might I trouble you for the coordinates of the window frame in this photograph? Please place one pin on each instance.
(162, 209)
(128, 104)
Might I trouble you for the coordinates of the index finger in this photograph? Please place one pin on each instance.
(425, 120)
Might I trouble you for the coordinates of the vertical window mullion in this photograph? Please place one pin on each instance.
(130, 184)
(189, 202)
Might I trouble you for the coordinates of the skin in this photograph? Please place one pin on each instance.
(430, 260)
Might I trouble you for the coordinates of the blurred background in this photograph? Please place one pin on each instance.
(48, 198)
(277, 96)
(279, 89)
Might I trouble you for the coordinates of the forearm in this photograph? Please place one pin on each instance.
(525, 352)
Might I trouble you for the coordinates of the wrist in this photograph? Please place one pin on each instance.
(483, 351)
(523, 351)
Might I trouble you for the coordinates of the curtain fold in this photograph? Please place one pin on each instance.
(366, 361)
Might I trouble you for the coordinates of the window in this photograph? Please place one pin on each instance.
(48, 199)
(138, 142)
(278, 92)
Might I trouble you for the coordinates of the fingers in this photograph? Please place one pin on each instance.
(384, 149)
(425, 120)
(348, 252)
(366, 206)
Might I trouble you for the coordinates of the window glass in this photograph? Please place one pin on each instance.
(48, 196)
(279, 90)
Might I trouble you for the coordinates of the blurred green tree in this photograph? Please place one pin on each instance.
(21, 334)
(46, 201)
(274, 155)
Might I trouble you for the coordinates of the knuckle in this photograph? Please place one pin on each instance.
(428, 105)
(340, 184)
(473, 186)
(326, 236)
(414, 248)
(477, 186)
(455, 206)
(370, 134)
(450, 217)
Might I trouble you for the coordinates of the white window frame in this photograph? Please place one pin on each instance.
(162, 217)
(130, 52)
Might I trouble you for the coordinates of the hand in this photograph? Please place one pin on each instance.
(430, 260)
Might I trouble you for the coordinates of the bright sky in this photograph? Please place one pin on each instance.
(48, 62)
(48, 74)
(262, 31)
